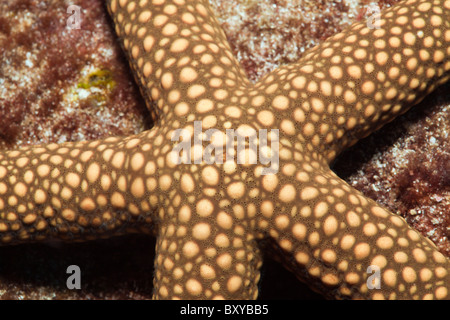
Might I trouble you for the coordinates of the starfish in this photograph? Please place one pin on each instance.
(209, 212)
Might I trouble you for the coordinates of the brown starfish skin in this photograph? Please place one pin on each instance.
(209, 217)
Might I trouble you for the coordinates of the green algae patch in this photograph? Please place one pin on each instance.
(101, 78)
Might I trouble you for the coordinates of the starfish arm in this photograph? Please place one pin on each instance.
(203, 261)
(346, 245)
(81, 190)
(178, 53)
(362, 78)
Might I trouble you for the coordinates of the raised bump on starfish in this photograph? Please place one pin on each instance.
(209, 217)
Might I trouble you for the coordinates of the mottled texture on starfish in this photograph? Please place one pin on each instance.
(209, 217)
